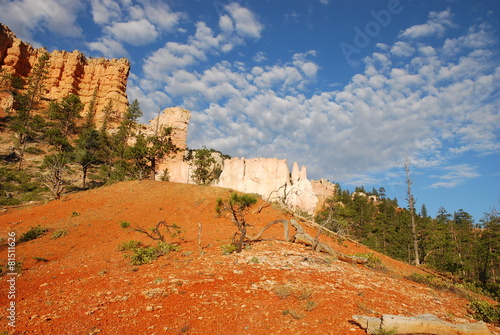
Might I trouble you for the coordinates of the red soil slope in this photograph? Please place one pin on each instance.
(88, 287)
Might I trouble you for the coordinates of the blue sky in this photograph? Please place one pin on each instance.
(347, 88)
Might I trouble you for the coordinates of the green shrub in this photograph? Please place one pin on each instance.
(149, 254)
(124, 224)
(33, 233)
(129, 245)
(484, 311)
(59, 233)
(228, 249)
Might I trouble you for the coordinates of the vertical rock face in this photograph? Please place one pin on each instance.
(177, 118)
(257, 175)
(271, 178)
(69, 72)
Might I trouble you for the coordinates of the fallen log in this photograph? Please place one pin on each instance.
(301, 236)
(423, 324)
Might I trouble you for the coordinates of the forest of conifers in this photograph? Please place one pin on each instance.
(452, 243)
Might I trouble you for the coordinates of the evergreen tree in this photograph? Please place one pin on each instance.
(91, 111)
(127, 127)
(204, 167)
(90, 151)
(23, 123)
(66, 113)
(148, 150)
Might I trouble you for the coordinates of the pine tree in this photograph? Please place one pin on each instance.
(66, 113)
(24, 124)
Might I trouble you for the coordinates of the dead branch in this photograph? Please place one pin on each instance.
(266, 202)
(301, 236)
(156, 234)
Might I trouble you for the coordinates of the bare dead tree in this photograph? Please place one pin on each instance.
(55, 179)
(155, 232)
(411, 205)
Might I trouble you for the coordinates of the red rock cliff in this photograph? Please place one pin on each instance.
(69, 72)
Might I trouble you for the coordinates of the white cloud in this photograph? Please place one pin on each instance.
(237, 25)
(161, 16)
(245, 22)
(456, 175)
(26, 17)
(132, 22)
(402, 49)
(108, 47)
(136, 33)
(412, 99)
(436, 26)
(105, 11)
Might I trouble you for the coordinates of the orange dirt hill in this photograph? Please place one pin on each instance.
(81, 284)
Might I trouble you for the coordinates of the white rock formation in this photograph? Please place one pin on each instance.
(271, 179)
(268, 177)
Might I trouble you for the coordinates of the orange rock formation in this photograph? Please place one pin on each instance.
(69, 72)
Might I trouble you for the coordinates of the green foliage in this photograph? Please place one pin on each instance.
(6, 268)
(18, 186)
(147, 255)
(237, 206)
(34, 151)
(33, 233)
(66, 113)
(124, 224)
(91, 150)
(59, 233)
(205, 169)
(129, 245)
(484, 311)
(148, 150)
(24, 123)
(228, 249)
(55, 137)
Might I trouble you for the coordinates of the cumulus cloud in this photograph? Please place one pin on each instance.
(237, 25)
(137, 32)
(412, 99)
(245, 22)
(27, 17)
(437, 25)
(108, 48)
(105, 11)
(131, 22)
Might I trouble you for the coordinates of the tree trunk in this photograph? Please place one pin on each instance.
(84, 175)
(411, 205)
(153, 168)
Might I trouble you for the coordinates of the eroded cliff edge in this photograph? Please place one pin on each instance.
(69, 72)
